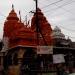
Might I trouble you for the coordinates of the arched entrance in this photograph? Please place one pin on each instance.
(29, 63)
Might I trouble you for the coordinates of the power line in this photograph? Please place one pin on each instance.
(51, 4)
(59, 7)
(40, 1)
(67, 29)
(65, 10)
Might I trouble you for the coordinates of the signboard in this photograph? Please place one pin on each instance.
(44, 49)
(58, 58)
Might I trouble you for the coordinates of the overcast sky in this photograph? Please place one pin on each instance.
(59, 13)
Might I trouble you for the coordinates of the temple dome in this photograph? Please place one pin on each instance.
(57, 29)
(57, 33)
(12, 15)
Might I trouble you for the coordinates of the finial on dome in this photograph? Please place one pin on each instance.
(12, 7)
(20, 15)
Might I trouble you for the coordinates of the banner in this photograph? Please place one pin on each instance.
(58, 58)
(44, 49)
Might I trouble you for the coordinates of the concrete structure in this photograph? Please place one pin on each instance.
(21, 44)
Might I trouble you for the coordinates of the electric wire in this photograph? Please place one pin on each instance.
(71, 30)
(67, 30)
(59, 7)
(51, 4)
(65, 10)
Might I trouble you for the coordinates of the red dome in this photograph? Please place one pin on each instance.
(12, 15)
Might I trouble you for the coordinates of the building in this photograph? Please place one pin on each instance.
(63, 47)
(27, 51)
(21, 42)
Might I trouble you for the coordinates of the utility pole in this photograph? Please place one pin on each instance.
(37, 26)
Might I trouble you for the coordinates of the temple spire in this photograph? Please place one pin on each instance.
(12, 7)
(12, 15)
(20, 15)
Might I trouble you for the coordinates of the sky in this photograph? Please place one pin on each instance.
(59, 13)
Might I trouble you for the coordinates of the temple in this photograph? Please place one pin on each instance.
(19, 34)
(26, 51)
(21, 42)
